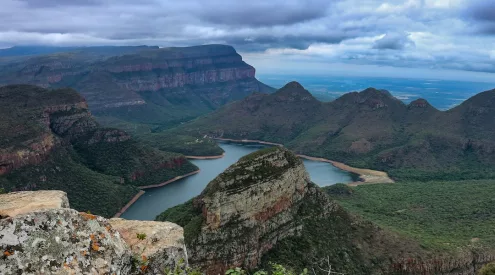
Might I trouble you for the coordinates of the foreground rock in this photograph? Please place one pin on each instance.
(17, 203)
(40, 235)
(162, 243)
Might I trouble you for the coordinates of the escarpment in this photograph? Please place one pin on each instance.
(41, 234)
(50, 140)
(148, 85)
(265, 209)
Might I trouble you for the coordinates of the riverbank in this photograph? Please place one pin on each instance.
(366, 176)
(206, 157)
(131, 202)
(141, 192)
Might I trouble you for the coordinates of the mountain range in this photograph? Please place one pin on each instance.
(370, 129)
(147, 86)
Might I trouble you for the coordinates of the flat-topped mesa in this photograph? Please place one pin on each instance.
(40, 234)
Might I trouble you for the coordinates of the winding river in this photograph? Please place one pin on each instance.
(157, 200)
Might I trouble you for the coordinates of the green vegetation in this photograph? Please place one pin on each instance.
(49, 140)
(370, 129)
(186, 145)
(137, 164)
(441, 215)
(488, 269)
(187, 216)
(86, 189)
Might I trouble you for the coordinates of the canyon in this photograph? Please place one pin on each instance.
(168, 84)
(264, 209)
(50, 140)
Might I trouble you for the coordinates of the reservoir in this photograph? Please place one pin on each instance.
(157, 200)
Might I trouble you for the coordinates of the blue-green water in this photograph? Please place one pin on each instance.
(156, 200)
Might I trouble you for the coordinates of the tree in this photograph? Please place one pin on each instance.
(488, 269)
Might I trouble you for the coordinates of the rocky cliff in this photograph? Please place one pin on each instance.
(264, 209)
(42, 235)
(50, 140)
(157, 86)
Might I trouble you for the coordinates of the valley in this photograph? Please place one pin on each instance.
(156, 200)
(188, 135)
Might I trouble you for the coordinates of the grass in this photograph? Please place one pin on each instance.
(441, 215)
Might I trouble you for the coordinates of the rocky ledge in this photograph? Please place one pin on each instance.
(41, 235)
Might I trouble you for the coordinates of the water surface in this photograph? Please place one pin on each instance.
(157, 200)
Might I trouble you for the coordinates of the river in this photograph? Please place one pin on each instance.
(157, 200)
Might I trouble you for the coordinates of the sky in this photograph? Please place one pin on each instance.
(449, 39)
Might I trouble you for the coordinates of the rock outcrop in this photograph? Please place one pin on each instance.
(41, 235)
(163, 246)
(248, 209)
(18, 203)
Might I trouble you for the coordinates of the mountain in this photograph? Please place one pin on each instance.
(369, 129)
(49, 140)
(17, 51)
(134, 86)
(265, 209)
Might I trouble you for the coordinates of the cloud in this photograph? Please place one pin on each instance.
(481, 14)
(393, 41)
(264, 13)
(439, 34)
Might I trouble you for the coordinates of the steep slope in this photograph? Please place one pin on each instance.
(143, 85)
(264, 208)
(278, 117)
(49, 140)
(369, 129)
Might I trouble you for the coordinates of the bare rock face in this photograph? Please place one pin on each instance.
(248, 209)
(162, 245)
(58, 241)
(39, 234)
(17, 203)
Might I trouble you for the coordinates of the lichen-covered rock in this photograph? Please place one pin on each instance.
(17, 203)
(61, 241)
(156, 245)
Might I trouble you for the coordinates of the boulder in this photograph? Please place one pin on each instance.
(156, 245)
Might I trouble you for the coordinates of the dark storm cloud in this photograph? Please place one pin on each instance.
(481, 10)
(481, 14)
(393, 42)
(429, 33)
(264, 13)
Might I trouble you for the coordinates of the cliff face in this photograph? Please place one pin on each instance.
(49, 138)
(264, 209)
(145, 80)
(41, 234)
(247, 210)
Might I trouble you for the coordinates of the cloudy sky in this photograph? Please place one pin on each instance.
(448, 38)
